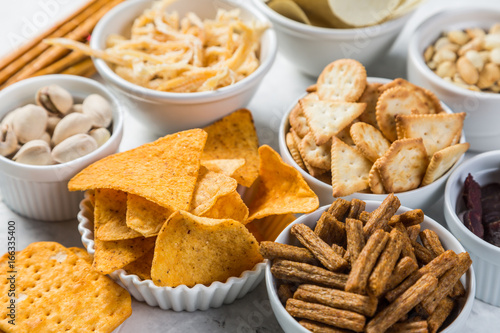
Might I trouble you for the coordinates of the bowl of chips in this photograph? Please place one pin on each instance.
(373, 27)
(312, 284)
(352, 145)
(184, 64)
(471, 212)
(467, 78)
(41, 191)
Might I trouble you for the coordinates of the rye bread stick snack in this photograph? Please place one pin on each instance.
(379, 218)
(331, 230)
(272, 250)
(409, 218)
(407, 249)
(381, 275)
(357, 206)
(442, 311)
(355, 239)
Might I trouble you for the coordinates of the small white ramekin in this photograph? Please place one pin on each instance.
(485, 168)
(181, 298)
(290, 325)
(168, 112)
(41, 192)
(422, 197)
(311, 48)
(483, 115)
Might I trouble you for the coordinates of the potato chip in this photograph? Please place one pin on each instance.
(209, 187)
(356, 14)
(144, 216)
(234, 137)
(342, 80)
(350, 169)
(442, 161)
(268, 228)
(57, 291)
(225, 166)
(163, 171)
(110, 213)
(142, 266)
(228, 206)
(282, 189)
(194, 250)
(403, 166)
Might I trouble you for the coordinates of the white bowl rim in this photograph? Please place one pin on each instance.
(325, 186)
(88, 243)
(418, 58)
(451, 207)
(440, 230)
(80, 80)
(194, 97)
(330, 32)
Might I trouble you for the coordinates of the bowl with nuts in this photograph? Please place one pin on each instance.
(456, 54)
(51, 128)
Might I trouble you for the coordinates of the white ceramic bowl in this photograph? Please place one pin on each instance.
(485, 168)
(311, 48)
(167, 112)
(41, 192)
(483, 116)
(290, 325)
(422, 197)
(181, 298)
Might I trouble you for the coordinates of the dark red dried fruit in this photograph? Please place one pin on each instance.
(493, 233)
(490, 203)
(472, 199)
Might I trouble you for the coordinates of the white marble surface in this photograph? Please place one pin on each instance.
(279, 90)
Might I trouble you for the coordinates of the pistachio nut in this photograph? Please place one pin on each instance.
(35, 152)
(7, 120)
(45, 137)
(55, 99)
(29, 122)
(101, 135)
(74, 147)
(52, 123)
(76, 108)
(99, 109)
(8, 141)
(73, 123)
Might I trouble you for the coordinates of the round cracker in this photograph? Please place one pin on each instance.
(342, 80)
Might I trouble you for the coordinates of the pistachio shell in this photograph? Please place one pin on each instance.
(55, 99)
(29, 122)
(8, 140)
(101, 135)
(35, 152)
(45, 137)
(7, 120)
(74, 147)
(52, 123)
(73, 123)
(98, 109)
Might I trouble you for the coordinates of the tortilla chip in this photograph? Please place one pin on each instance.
(229, 206)
(163, 171)
(144, 216)
(110, 213)
(209, 187)
(282, 189)
(225, 166)
(269, 228)
(194, 250)
(235, 137)
(142, 266)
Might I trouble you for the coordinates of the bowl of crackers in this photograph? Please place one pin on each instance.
(180, 65)
(368, 266)
(168, 222)
(353, 136)
(313, 33)
(472, 214)
(456, 54)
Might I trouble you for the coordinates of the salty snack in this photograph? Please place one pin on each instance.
(183, 55)
(56, 130)
(372, 137)
(341, 15)
(481, 213)
(160, 214)
(55, 285)
(382, 290)
(468, 58)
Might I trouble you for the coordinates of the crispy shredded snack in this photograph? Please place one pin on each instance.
(189, 54)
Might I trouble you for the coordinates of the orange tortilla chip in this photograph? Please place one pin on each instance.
(144, 216)
(209, 187)
(235, 137)
(282, 190)
(269, 227)
(194, 250)
(225, 166)
(163, 171)
(110, 212)
(142, 266)
(229, 206)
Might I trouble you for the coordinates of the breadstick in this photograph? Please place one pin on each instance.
(403, 268)
(408, 218)
(357, 206)
(379, 218)
(355, 238)
(272, 250)
(442, 311)
(71, 59)
(80, 68)
(316, 327)
(330, 229)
